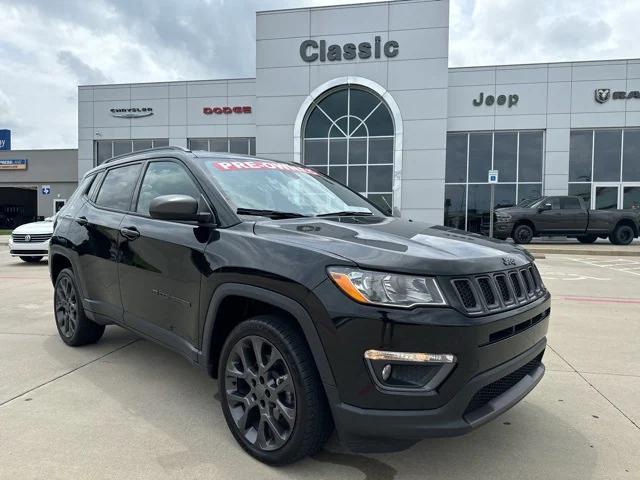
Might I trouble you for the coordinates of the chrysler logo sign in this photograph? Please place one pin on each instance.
(603, 95)
(133, 112)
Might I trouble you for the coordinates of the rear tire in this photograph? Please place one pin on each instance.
(622, 235)
(587, 238)
(31, 259)
(74, 327)
(522, 234)
(273, 401)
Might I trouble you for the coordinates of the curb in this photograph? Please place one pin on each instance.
(568, 251)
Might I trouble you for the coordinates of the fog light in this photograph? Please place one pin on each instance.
(409, 371)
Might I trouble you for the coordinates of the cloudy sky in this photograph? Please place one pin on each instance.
(48, 47)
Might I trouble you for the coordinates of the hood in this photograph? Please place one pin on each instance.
(512, 210)
(35, 227)
(393, 244)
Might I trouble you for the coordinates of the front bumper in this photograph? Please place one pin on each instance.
(488, 349)
(370, 430)
(28, 249)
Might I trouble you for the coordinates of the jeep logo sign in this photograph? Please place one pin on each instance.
(311, 50)
(509, 100)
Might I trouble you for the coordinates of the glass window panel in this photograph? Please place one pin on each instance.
(631, 160)
(606, 198)
(362, 103)
(339, 129)
(315, 152)
(380, 178)
(505, 153)
(142, 144)
(478, 207)
(580, 155)
(335, 104)
(530, 167)
(324, 170)
(606, 155)
(569, 203)
(95, 185)
(383, 201)
(338, 151)
(199, 144)
(164, 178)
(631, 197)
(120, 147)
(361, 131)
(317, 125)
(456, 164)
(582, 190)
(239, 145)
(218, 144)
(529, 191)
(358, 178)
(252, 146)
(504, 196)
(479, 156)
(380, 122)
(381, 150)
(104, 150)
(358, 150)
(338, 173)
(118, 186)
(454, 205)
(161, 142)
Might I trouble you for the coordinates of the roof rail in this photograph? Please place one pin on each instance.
(137, 152)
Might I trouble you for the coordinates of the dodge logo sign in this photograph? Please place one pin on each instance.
(509, 261)
(602, 94)
(226, 110)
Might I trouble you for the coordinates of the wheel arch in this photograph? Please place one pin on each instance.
(216, 328)
(626, 221)
(58, 263)
(523, 221)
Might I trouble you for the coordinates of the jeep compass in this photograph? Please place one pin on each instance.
(313, 308)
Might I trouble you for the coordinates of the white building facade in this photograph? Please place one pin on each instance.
(364, 93)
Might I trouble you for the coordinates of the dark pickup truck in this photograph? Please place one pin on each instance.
(565, 216)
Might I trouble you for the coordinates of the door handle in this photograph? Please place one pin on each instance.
(82, 221)
(130, 233)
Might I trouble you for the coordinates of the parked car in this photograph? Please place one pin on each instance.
(309, 305)
(30, 241)
(564, 216)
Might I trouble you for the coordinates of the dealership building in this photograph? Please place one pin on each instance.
(364, 93)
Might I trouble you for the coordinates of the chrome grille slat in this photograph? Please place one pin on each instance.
(34, 237)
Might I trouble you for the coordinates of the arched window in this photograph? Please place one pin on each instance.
(348, 134)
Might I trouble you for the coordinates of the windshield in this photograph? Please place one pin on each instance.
(281, 187)
(530, 203)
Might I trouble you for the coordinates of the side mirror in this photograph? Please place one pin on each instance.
(542, 208)
(174, 207)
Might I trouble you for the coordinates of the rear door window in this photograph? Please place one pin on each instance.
(117, 188)
(569, 203)
(165, 178)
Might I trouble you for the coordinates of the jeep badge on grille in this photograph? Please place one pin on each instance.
(509, 261)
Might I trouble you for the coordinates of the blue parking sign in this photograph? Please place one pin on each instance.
(46, 189)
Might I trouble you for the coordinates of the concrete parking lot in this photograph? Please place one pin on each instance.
(126, 408)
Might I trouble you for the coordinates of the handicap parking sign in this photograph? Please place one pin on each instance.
(46, 189)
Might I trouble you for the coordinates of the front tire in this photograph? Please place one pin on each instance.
(522, 234)
(31, 259)
(622, 235)
(74, 327)
(271, 393)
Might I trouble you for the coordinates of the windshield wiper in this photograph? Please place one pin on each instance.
(345, 213)
(268, 213)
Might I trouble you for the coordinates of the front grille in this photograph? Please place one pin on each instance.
(33, 238)
(499, 291)
(497, 388)
(515, 329)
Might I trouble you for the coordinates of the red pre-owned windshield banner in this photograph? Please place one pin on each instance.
(260, 165)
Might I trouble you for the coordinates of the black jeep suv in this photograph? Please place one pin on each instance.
(310, 306)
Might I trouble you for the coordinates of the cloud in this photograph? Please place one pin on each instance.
(85, 73)
(48, 48)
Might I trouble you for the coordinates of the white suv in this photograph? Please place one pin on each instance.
(30, 241)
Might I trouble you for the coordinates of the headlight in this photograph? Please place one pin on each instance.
(390, 289)
(503, 218)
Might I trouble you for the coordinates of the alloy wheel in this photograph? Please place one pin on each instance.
(66, 307)
(260, 393)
